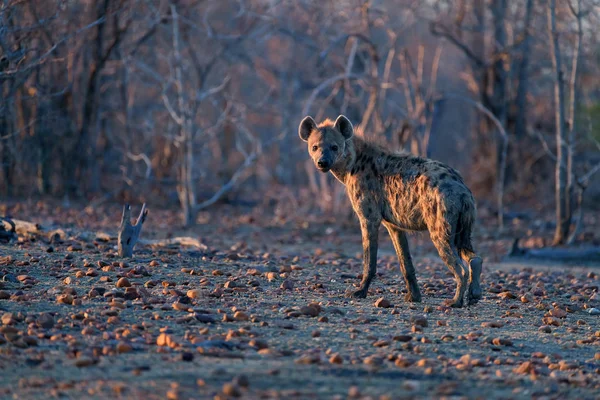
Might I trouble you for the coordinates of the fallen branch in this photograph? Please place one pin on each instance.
(181, 241)
(588, 253)
(129, 234)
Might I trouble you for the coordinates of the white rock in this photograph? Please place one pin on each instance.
(594, 311)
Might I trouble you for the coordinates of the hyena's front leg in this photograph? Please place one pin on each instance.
(406, 266)
(370, 234)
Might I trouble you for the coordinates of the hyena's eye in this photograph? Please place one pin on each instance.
(314, 148)
(334, 148)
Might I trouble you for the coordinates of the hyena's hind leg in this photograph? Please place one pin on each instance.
(400, 242)
(449, 254)
(473, 261)
(475, 264)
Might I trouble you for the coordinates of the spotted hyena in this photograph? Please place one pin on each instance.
(404, 193)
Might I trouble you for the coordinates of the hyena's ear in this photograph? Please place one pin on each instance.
(306, 127)
(344, 125)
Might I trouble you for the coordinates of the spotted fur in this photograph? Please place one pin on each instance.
(404, 193)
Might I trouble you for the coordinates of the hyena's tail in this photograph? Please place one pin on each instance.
(464, 229)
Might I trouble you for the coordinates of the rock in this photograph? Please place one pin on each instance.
(419, 321)
(382, 303)
(84, 361)
(312, 310)
(593, 311)
(558, 313)
(242, 381)
(45, 320)
(492, 324)
(381, 343)
(336, 359)
(402, 338)
(373, 361)
(165, 340)
(231, 389)
(123, 283)
(4, 295)
(8, 319)
(524, 368)
(180, 307)
(123, 347)
(194, 293)
(65, 299)
(502, 342)
(187, 356)
(240, 316)
(287, 285)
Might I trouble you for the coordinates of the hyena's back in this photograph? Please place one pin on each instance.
(418, 194)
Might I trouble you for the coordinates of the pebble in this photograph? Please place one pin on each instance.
(187, 356)
(419, 321)
(593, 311)
(241, 316)
(194, 293)
(4, 295)
(337, 359)
(123, 283)
(123, 347)
(45, 320)
(231, 389)
(65, 299)
(382, 303)
(287, 285)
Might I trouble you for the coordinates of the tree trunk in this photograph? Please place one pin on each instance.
(563, 220)
(521, 98)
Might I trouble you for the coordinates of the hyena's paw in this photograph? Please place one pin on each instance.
(455, 303)
(473, 295)
(356, 294)
(412, 297)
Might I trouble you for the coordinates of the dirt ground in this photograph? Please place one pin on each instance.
(261, 313)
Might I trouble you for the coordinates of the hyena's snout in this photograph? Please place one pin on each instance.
(324, 164)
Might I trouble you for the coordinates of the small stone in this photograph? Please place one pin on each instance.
(241, 316)
(312, 310)
(337, 359)
(381, 343)
(165, 340)
(187, 356)
(65, 299)
(492, 324)
(593, 311)
(402, 338)
(382, 303)
(242, 380)
(354, 392)
(231, 389)
(123, 283)
(524, 368)
(123, 347)
(8, 319)
(287, 285)
(4, 295)
(194, 293)
(558, 313)
(419, 321)
(85, 362)
(45, 320)
(373, 361)
(502, 342)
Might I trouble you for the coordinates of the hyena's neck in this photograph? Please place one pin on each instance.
(344, 165)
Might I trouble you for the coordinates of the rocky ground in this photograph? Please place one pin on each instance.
(261, 313)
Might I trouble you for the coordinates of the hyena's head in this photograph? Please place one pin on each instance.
(326, 141)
